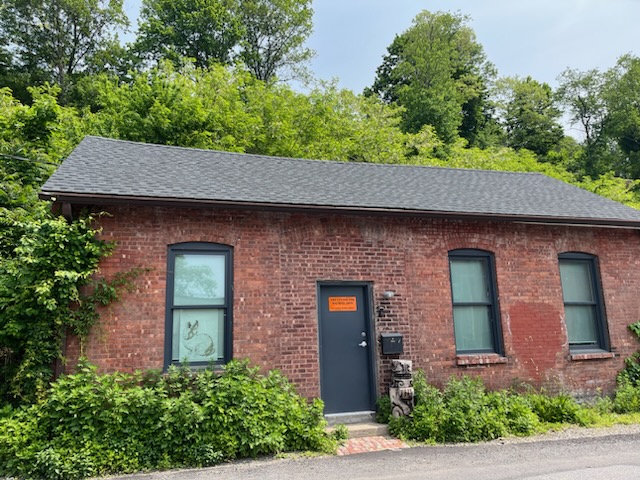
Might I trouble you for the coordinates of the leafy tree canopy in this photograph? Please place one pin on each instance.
(529, 114)
(33, 140)
(267, 36)
(438, 72)
(203, 30)
(605, 105)
(226, 109)
(622, 96)
(582, 95)
(53, 40)
(274, 36)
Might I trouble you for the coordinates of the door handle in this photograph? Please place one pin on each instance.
(362, 344)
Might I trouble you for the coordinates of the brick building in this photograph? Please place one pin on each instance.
(305, 265)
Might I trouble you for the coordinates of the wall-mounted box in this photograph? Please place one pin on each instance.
(392, 343)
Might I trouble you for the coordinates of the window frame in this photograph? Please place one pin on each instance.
(199, 248)
(603, 343)
(494, 310)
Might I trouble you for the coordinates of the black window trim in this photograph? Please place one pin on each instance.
(199, 248)
(603, 344)
(494, 310)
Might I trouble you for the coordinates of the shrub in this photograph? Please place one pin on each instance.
(340, 433)
(383, 409)
(466, 410)
(92, 424)
(425, 422)
(627, 398)
(560, 408)
(518, 417)
(463, 412)
(627, 395)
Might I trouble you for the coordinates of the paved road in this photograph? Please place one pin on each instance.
(595, 458)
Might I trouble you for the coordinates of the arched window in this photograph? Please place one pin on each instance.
(476, 317)
(583, 302)
(199, 304)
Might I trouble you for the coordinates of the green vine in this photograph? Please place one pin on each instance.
(631, 372)
(103, 292)
(47, 288)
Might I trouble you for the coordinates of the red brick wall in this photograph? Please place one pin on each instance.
(280, 257)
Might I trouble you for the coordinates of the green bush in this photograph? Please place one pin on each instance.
(627, 395)
(561, 408)
(516, 413)
(92, 424)
(340, 433)
(463, 412)
(627, 398)
(383, 409)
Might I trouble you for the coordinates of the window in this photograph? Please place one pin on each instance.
(583, 305)
(198, 322)
(473, 290)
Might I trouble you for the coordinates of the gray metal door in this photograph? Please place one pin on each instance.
(346, 363)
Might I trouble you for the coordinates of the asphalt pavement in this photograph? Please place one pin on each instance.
(578, 454)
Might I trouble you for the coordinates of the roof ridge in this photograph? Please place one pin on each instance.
(319, 160)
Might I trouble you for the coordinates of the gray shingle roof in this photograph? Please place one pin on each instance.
(130, 171)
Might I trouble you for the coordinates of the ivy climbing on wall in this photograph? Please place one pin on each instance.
(631, 372)
(48, 288)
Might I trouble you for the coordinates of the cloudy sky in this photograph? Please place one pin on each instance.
(540, 38)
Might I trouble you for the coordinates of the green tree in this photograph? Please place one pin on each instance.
(116, 59)
(438, 72)
(190, 107)
(203, 30)
(33, 140)
(622, 97)
(529, 114)
(274, 35)
(582, 94)
(229, 109)
(329, 123)
(267, 36)
(6, 59)
(53, 40)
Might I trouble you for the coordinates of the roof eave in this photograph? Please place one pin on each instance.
(104, 199)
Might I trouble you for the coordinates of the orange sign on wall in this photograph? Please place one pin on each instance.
(343, 304)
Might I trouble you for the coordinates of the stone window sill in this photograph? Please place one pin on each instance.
(579, 357)
(469, 360)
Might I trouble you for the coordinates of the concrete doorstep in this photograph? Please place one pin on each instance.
(366, 429)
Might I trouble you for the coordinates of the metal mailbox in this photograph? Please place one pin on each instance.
(392, 343)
